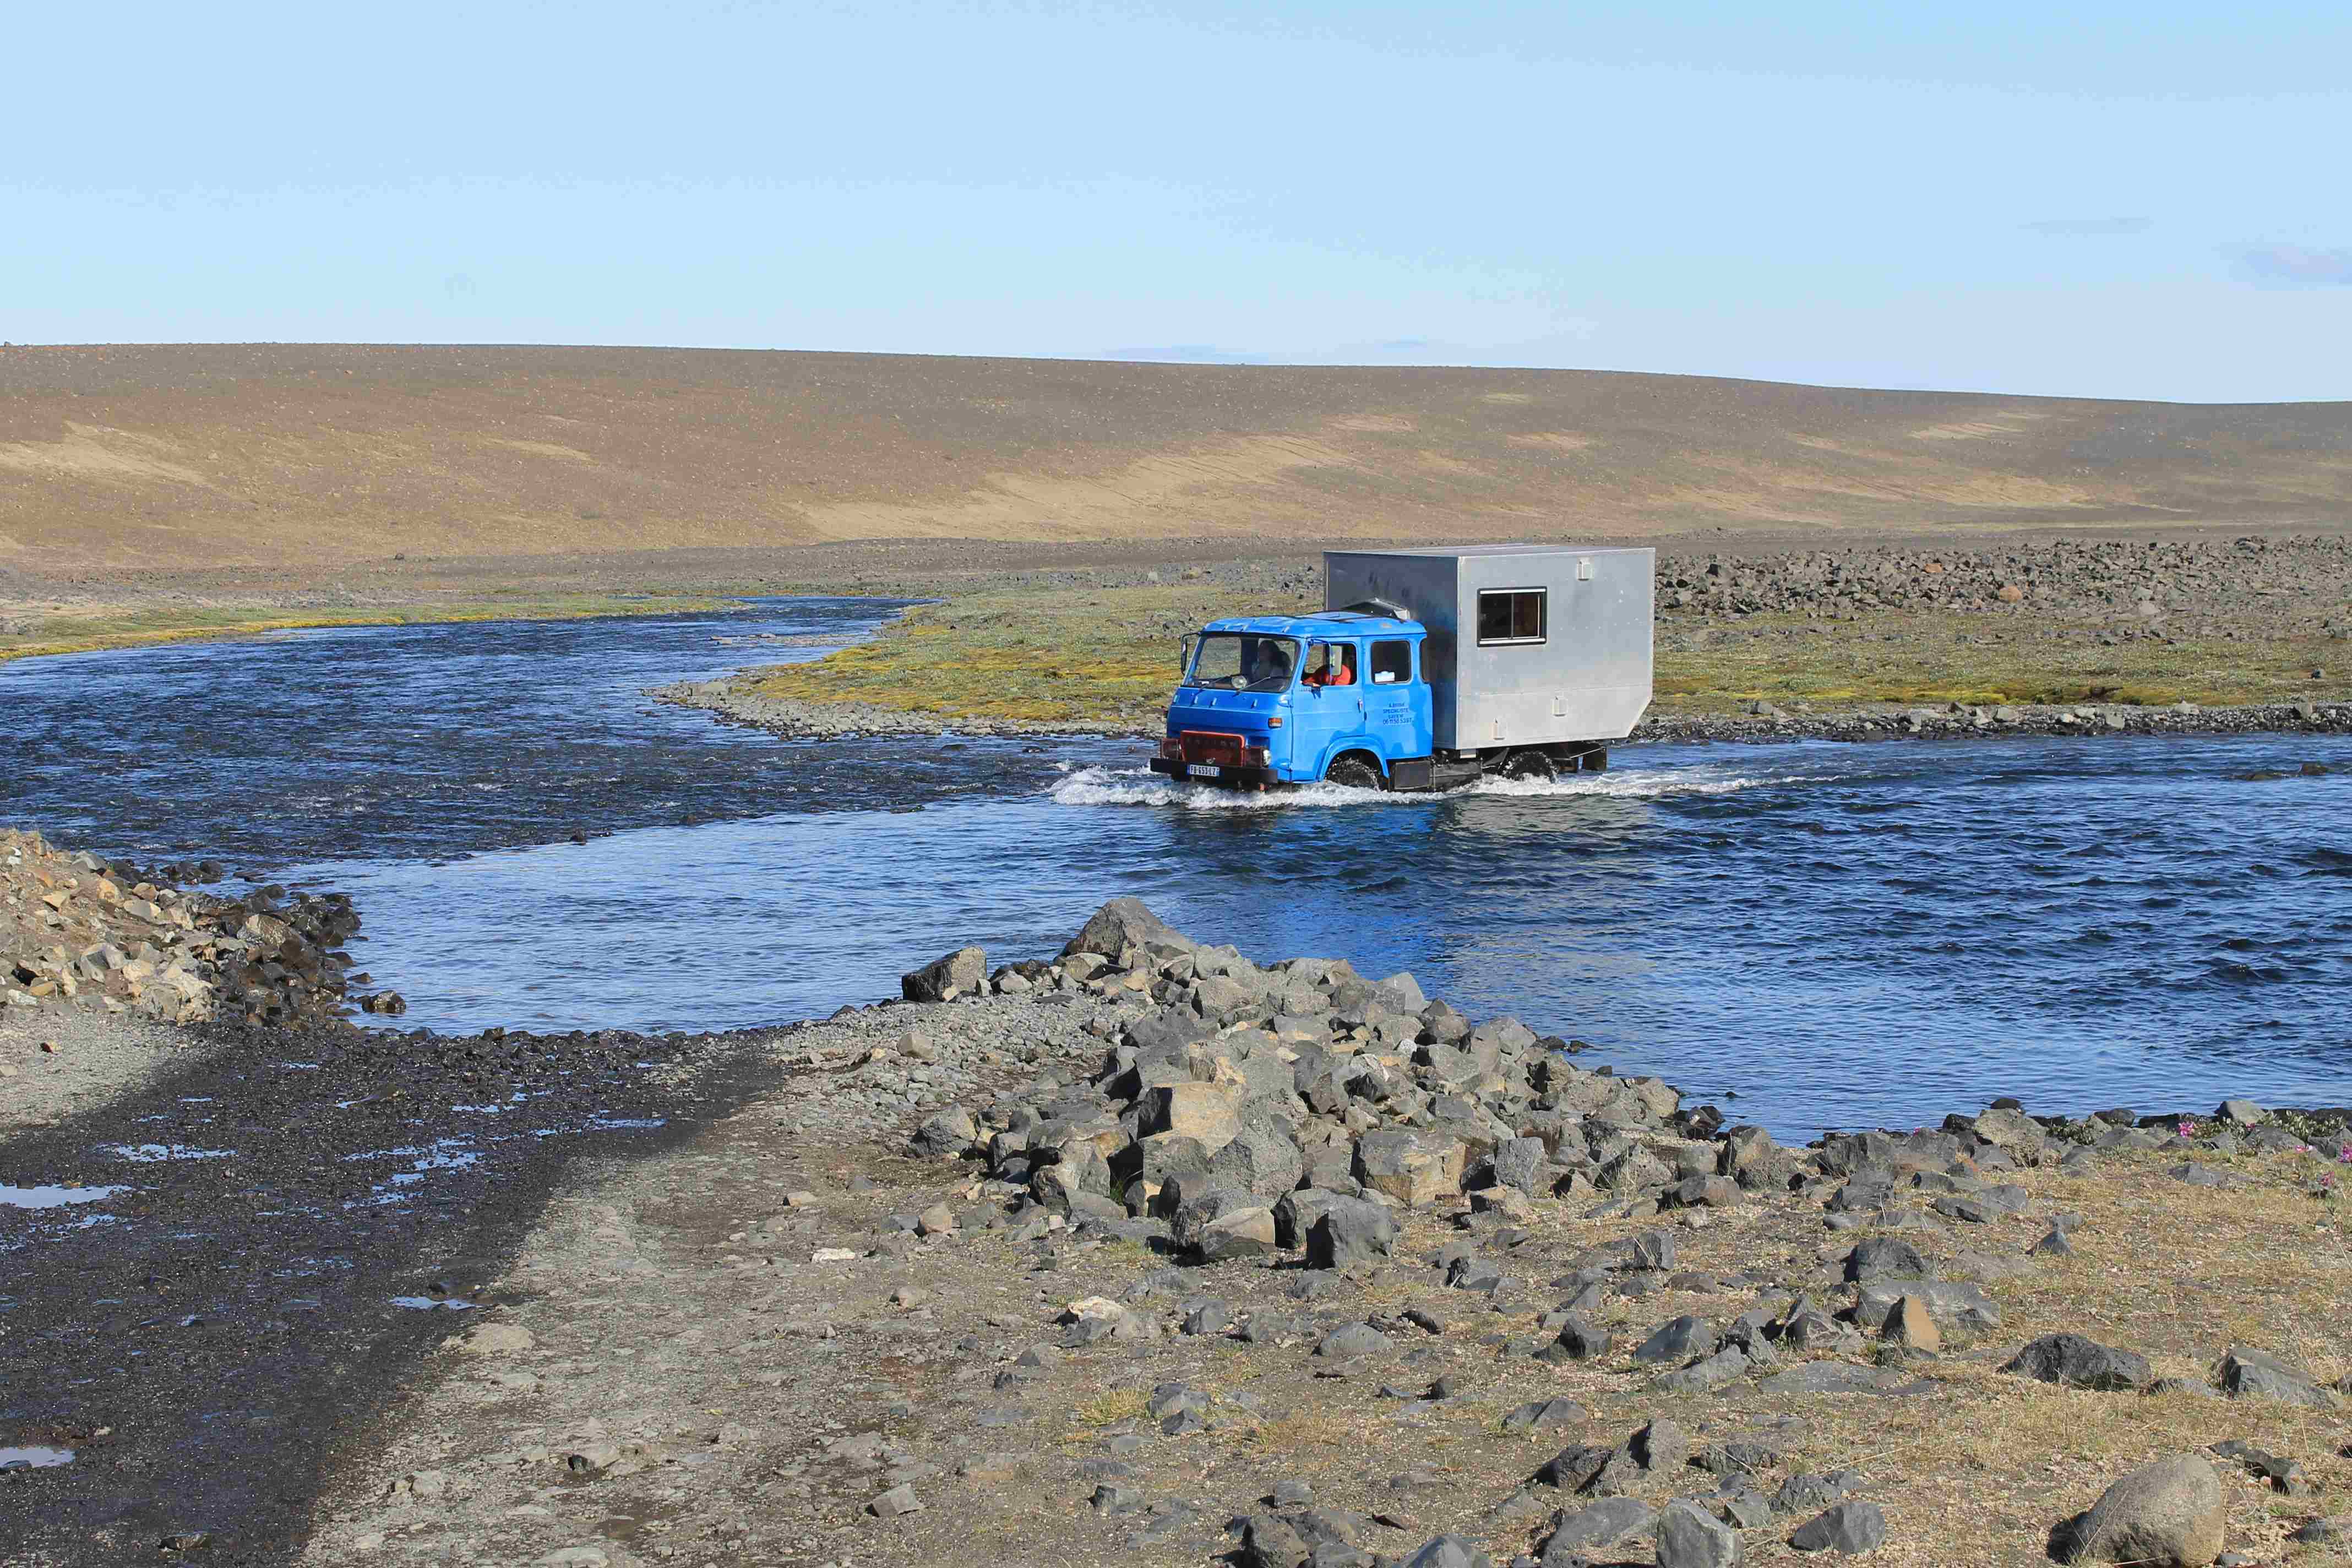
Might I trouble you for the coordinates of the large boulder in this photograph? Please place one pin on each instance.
(1887, 1258)
(1952, 1302)
(949, 1135)
(1690, 1538)
(1575, 1536)
(1684, 1339)
(2078, 1362)
(1205, 1111)
(1244, 1232)
(1260, 1159)
(1193, 1202)
(1850, 1527)
(1449, 1551)
(1750, 1157)
(2256, 1374)
(1397, 1164)
(1158, 1156)
(1269, 1542)
(1294, 1214)
(1350, 1230)
(959, 974)
(1519, 1163)
(2167, 1515)
(1121, 924)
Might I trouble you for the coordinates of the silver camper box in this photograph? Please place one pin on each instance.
(1576, 666)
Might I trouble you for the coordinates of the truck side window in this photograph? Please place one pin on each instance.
(1331, 664)
(1391, 663)
(1511, 615)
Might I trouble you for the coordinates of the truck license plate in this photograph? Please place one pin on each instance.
(1205, 771)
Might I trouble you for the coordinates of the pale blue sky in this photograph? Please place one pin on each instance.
(2141, 200)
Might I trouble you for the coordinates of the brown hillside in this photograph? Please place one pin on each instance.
(127, 457)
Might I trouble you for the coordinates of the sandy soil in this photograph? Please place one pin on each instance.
(58, 1063)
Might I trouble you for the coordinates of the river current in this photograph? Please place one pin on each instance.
(1811, 935)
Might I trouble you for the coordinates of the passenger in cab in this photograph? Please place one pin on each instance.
(1338, 665)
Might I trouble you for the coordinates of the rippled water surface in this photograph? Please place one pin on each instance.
(1839, 935)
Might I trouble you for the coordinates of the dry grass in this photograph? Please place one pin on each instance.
(1110, 1406)
(200, 455)
(1973, 1470)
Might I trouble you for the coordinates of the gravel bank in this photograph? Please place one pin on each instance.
(1156, 1255)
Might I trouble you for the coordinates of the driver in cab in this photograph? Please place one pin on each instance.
(1337, 666)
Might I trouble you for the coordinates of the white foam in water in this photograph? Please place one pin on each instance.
(48, 1198)
(1137, 786)
(154, 1154)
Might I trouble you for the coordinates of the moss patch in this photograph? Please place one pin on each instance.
(1106, 655)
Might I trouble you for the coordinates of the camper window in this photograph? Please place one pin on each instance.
(1511, 615)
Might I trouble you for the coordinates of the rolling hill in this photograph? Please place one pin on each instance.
(315, 455)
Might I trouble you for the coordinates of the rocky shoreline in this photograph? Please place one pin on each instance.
(106, 936)
(1148, 1252)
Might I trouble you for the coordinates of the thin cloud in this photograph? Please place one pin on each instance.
(2072, 226)
(2296, 266)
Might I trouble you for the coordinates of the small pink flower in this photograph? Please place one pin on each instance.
(2346, 1156)
(2189, 1130)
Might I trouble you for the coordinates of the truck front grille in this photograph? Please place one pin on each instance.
(1212, 746)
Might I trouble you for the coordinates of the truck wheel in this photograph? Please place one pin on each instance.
(1353, 772)
(1527, 765)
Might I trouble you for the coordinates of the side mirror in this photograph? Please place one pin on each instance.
(1184, 651)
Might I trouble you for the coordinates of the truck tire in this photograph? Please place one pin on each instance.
(1352, 772)
(1527, 765)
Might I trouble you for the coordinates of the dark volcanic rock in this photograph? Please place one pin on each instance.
(959, 973)
(1851, 1528)
(2078, 1362)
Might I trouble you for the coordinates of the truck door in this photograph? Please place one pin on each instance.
(1330, 705)
(1397, 701)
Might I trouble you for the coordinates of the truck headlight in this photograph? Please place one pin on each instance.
(1257, 754)
(1171, 748)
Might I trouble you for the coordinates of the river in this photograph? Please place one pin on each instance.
(1811, 935)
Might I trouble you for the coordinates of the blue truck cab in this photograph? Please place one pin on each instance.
(1287, 700)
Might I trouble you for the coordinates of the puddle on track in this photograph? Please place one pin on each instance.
(34, 1457)
(50, 1197)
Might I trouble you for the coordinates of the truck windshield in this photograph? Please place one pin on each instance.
(1239, 661)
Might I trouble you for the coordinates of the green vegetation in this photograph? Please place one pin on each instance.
(1943, 657)
(1109, 655)
(80, 632)
(1105, 655)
